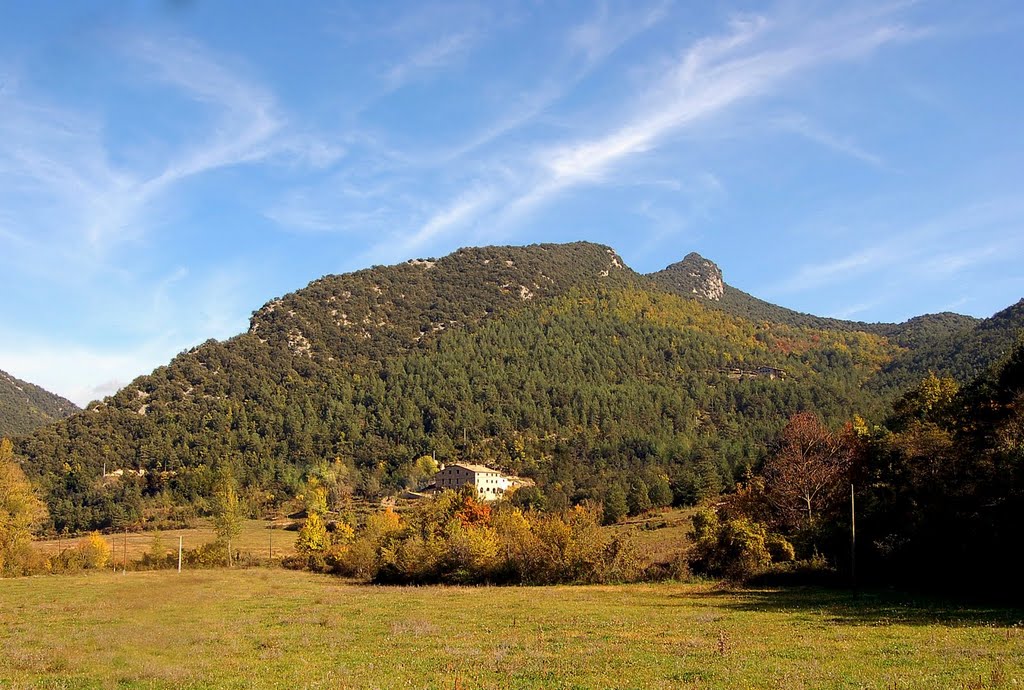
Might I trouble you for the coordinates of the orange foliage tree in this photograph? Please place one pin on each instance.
(807, 477)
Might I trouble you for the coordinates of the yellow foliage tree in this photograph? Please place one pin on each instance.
(229, 514)
(313, 537)
(95, 551)
(20, 513)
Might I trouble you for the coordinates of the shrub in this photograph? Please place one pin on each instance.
(94, 551)
(212, 554)
(737, 548)
(313, 537)
(780, 549)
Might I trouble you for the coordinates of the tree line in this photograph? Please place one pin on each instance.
(936, 490)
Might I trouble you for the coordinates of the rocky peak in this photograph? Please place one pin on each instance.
(693, 275)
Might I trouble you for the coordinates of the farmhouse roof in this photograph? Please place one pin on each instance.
(474, 468)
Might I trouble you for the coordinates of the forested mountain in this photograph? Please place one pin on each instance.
(963, 353)
(554, 361)
(698, 277)
(25, 407)
(946, 344)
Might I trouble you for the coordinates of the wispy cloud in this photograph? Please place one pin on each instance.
(79, 202)
(61, 156)
(430, 57)
(81, 373)
(607, 30)
(815, 275)
(754, 57)
(803, 126)
(850, 311)
(457, 216)
(589, 44)
(929, 250)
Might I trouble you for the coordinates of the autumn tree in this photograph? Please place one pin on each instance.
(94, 551)
(806, 477)
(931, 401)
(313, 537)
(20, 512)
(315, 497)
(229, 513)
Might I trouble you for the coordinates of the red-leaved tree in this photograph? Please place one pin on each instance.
(807, 477)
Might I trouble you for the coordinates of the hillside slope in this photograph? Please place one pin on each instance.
(24, 407)
(555, 361)
(946, 343)
(964, 354)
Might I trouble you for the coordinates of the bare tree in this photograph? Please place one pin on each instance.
(807, 476)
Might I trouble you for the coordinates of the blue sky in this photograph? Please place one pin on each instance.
(168, 167)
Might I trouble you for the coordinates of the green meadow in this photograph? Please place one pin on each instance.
(271, 628)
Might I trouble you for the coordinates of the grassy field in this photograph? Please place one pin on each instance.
(255, 538)
(661, 535)
(272, 628)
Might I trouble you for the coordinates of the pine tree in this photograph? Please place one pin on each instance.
(615, 506)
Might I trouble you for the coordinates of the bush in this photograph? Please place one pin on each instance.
(94, 551)
(456, 539)
(814, 571)
(780, 549)
(211, 555)
(736, 548)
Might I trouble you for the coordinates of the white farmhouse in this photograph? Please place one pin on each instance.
(490, 483)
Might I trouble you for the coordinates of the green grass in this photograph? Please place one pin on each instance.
(274, 628)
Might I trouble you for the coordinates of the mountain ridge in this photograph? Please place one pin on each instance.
(25, 406)
(557, 361)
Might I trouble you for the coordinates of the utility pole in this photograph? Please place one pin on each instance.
(179, 553)
(271, 544)
(124, 552)
(853, 538)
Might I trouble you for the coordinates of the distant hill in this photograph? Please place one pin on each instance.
(553, 361)
(24, 407)
(700, 278)
(946, 343)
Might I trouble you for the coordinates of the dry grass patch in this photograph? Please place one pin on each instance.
(257, 538)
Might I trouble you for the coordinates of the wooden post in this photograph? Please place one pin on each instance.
(179, 553)
(124, 552)
(853, 539)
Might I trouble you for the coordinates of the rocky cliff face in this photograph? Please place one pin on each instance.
(695, 275)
